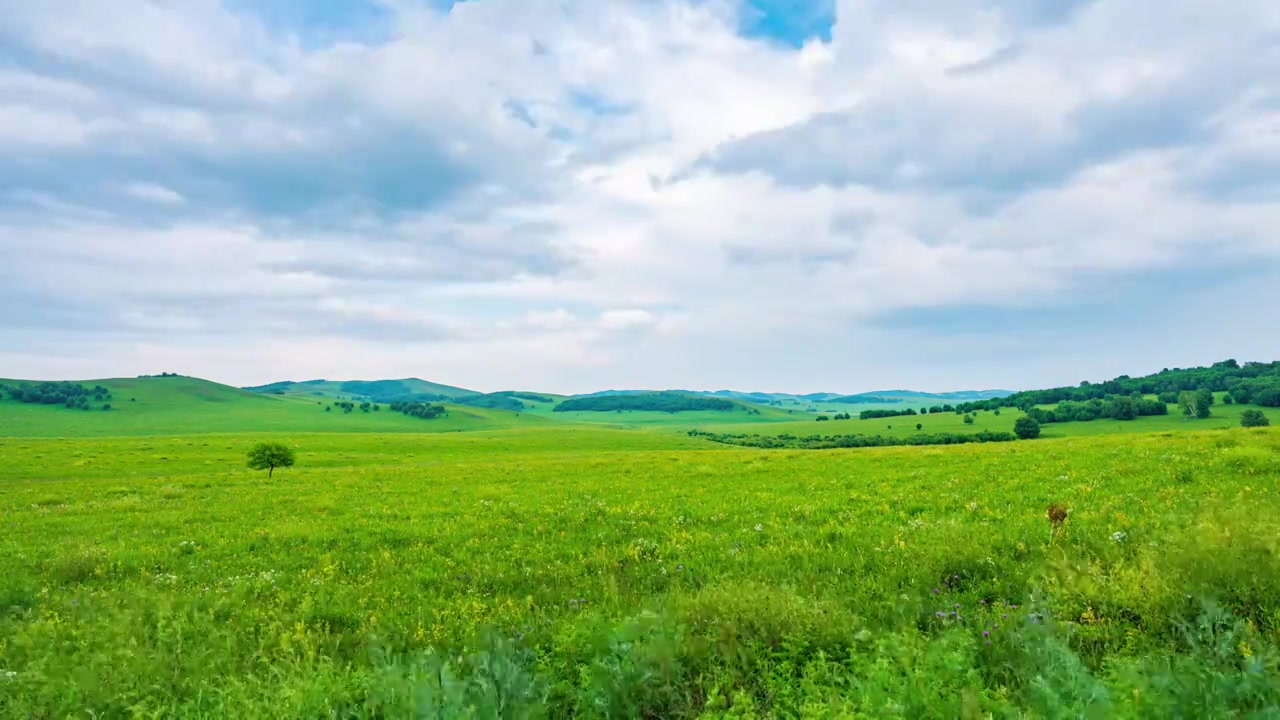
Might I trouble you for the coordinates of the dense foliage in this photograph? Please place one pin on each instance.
(877, 414)
(425, 411)
(830, 442)
(1118, 407)
(1251, 382)
(652, 402)
(69, 394)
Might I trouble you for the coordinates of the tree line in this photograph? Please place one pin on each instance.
(1250, 382)
(832, 442)
(1113, 407)
(654, 402)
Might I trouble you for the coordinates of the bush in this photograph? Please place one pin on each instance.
(1254, 418)
(1026, 428)
(269, 456)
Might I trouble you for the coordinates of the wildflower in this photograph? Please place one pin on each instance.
(957, 606)
(936, 591)
(995, 626)
(1119, 536)
(759, 527)
(988, 642)
(986, 633)
(1004, 616)
(679, 568)
(940, 614)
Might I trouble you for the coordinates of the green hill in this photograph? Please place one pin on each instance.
(183, 405)
(378, 390)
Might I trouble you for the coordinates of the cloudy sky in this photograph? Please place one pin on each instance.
(567, 195)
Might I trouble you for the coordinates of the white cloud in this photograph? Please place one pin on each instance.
(155, 193)
(597, 193)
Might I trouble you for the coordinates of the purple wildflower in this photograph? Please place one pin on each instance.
(986, 633)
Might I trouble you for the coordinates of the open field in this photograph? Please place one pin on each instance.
(582, 571)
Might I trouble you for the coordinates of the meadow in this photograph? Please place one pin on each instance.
(571, 570)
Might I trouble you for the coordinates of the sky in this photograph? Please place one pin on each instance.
(572, 195)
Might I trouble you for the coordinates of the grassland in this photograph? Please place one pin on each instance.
(568, 570)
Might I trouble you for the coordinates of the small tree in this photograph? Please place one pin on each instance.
(919, 426)
(1228, 400)
(1026, 428)
(1254, 418)
(968, 419)
(1195, 404)
(269, 456)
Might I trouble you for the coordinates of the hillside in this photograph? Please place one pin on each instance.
(183, 406)
(379, 390)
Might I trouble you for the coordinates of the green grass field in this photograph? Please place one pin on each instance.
(582, 571)
(541, 564)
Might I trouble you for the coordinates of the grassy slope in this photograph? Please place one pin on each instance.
(645, 573)
(181, 406)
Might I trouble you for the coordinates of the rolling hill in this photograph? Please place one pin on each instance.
(377, 390)
(178, 405)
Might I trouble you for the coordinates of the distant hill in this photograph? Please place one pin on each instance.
(897, 396)
(874, 397)
(408, 389)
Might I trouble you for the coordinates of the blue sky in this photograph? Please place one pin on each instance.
(788, 195)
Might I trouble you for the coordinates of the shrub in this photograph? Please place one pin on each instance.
(1026, 428)
(1254, 418)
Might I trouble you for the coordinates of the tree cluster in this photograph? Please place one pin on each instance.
(426, 411)
(1243, 381)
(877, 414)
(830, 442)
(69, 394)
(653, 402)
(1115, 407)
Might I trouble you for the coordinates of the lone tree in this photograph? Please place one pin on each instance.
(1253, 418)
(269, 456)
(1195, 404)
(1027, 428)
